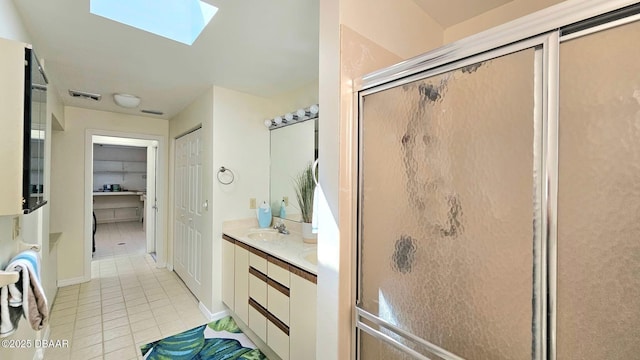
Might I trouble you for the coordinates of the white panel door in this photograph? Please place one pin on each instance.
(188, 210)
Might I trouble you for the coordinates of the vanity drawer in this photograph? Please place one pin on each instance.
(278, 340)
(258, 321)
(258, 286)
(258, 260)
(278, 303)
(278, 270)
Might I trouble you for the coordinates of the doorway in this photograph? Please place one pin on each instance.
(123, 187)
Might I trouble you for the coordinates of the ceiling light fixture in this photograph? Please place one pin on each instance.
(126, 100)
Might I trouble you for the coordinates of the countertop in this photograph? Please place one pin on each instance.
(104, 193)
(289, 248)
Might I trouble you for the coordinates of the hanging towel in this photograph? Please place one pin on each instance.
(316, 205)
(26, 297)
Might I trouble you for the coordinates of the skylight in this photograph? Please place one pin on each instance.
(179, 20)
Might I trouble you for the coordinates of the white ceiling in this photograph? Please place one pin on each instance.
(260, 47)
(451, 12)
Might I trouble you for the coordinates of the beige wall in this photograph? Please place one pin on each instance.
(400, 26)
(68, 178)
(500, 15)
(293, 100)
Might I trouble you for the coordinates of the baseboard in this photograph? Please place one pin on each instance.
(72, 281)
(211, 316)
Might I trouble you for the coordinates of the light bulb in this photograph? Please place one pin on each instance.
(267, 123)
(301, 113)
(277, 120)
(288, 116)
(314, 109)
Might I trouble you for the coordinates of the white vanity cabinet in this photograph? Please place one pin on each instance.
(228, 272)
(275, 299)
(12, 79)
(241, 282)
(302, 314)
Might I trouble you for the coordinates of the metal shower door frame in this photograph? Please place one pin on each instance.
(541, 46)
(544, 31)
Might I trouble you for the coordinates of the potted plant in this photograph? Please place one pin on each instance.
(304, 186)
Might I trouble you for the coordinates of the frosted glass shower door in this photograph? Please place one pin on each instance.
(446, 212)
(598, 311)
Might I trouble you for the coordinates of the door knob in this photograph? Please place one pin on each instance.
(205, 205)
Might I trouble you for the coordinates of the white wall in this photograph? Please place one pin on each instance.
(68, 177)
(379, 33)
(198, 114)
(35, 226)
(241, 143)
(235, 137)
(135, 180)
(11, 25)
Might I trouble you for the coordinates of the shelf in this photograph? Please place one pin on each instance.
(8, 277)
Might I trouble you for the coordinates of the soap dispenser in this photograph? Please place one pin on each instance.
(283, 210)
(264, 215)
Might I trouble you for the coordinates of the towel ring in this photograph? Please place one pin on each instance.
(222, 171)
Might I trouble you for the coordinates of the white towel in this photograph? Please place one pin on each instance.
(26, 297)
(316, 205)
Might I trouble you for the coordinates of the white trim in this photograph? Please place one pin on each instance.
(72, 281)
(88, 191)
(211, 316)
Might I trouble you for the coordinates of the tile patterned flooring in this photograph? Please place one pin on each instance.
(127, 303)
(120, 238)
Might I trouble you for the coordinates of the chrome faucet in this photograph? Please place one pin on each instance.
(281, 227)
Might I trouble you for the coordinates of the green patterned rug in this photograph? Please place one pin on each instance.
(219, 340)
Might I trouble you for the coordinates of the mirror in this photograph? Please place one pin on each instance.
(292, 148)
(35, 124)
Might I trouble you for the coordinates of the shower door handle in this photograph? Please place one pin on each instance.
(432, 348)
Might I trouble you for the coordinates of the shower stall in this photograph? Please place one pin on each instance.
(499, 197)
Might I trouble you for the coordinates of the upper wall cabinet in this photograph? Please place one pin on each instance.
(23, 111)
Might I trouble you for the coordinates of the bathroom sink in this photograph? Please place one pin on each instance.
(264, 235)
(311, 256)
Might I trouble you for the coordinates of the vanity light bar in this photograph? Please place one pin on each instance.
(287, 119)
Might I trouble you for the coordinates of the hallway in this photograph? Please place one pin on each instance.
(128, 303)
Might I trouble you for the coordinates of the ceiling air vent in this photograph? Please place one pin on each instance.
(152, 112)
(85, 95)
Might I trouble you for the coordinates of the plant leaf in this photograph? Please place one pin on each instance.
(225, 324)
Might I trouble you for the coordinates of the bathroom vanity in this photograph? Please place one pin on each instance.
(269, 283)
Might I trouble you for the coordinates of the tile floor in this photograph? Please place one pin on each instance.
(127, 303)
(120, 238)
